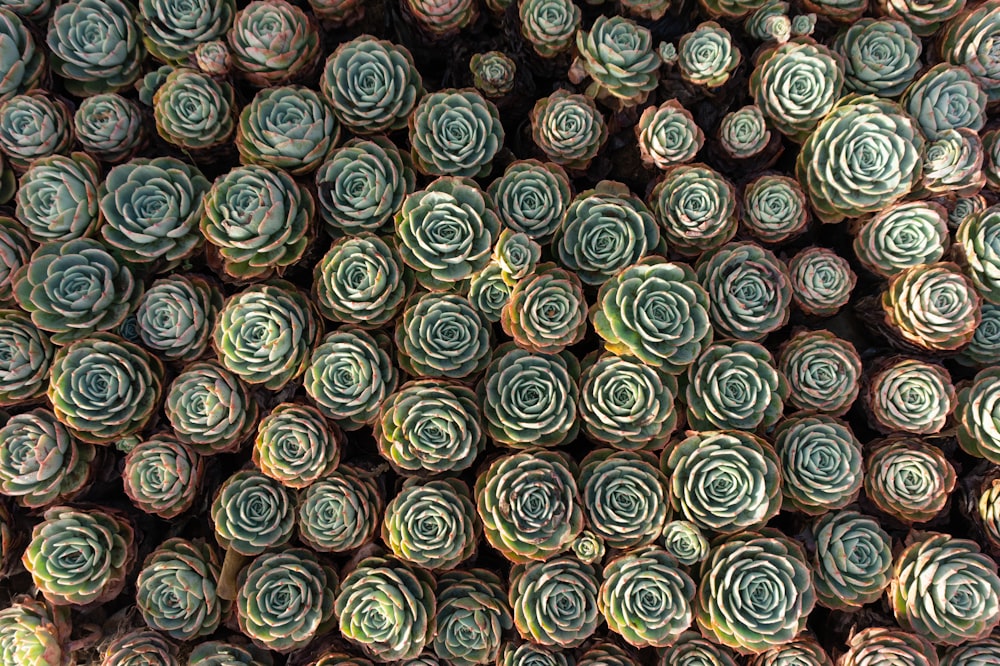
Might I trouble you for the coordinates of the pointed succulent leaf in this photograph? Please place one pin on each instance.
(15, 251)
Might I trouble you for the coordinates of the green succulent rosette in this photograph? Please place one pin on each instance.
(265, 334)
(472, 616)
(549, 25)
(29, 10)
(273, 42)
(531, 654)
(991, 158)
(362, 184)
(25, 357)
(933, 306)
(446, 232)
(40, 462)
(568, 129)
(901, 236)
(838, 11)
(210, 408)
(162, 476)
(881, 56)
(140, 647)
(57, 198)
(213, 58)
(962, 207)
(546, 311)
(441, 18)
(875, 645)
(821, 281)
(528, 504)
(488, 292)
(388, 608)
(79, 557)
(946, 97)
(604, 230)
(770, 22)
(974, 416)
(706, 56)
(172, 31)
(32, 125)
(821, 464)
(252, 513)
(517, 254)
(285, 599)
(493, 73)
(823, 372)
(175, 316)
(744, 133)
(908, 479)
(289, 127)
(617, 54)
(923, 17)
(774, 208)
(973, 653)
(796, 85)
(588, 547)
(911, 396)
(430, 425)
(696, 208)
(442, 335)
(193, 111)
(749, 288)
(656, 311)
(555, 601)
(946, 589)
(151, 82)
(21, 60)
(723, 481)
(362, 280)
(296, 445)
(176, 589)
(33, 635)
(960, 43)
(756, 592)
(984, 348)
(95, 46)
(624, 497)
(626, 404)
(219, 653)
(103, 388)
(455, 133)
(953, 163)
(531, 197)
(606, 653)
(685, 542)
(109, 127)
(15, 251)
(431, 523)
(801, 651)
(852, 560)
(668, 135)
(340, 512)
(978, 241)
(691, 649)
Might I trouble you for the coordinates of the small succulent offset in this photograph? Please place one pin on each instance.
(707, 56)
(668, 135)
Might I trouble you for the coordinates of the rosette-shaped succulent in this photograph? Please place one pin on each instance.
(78, 557)
(618, 55)
(555, 602)
(744, 133)
(961, 43)
(953, 163)
(978, 240)
(339, 512)
(488, 292)
(528, 504)
(991, 145)
(945, 588)
(162, 476)
(273, 42)
(104, 388)
(626, 404)
(265, 334)
(706, 56)
(432, 523)
(472, 615)
(976, 418)
(33, 125)
(880, 147)
(361, 280)
(446, 232)
(22, 62)
(903, 235)
(444, 18)
(251, 513)
(15, 251)
(749, 290)
(604, 230)
(823, 372)
(756, 592)
(624, 497)
(880, 56)
(442, 335)
(362, 185)
(33, 635)
(285, 598)
(109, 127)
(342, 658)
(980, 652)
(691, 649)
(172, 30)
(194, 111)
(296, 446)
(821, 281)
(568, 128)
(549, 25)
(57, 198)
(723, 482)
(95, 46)
(430, 426)
(933, 306)
(648, 9)
(685, 542)
(729, 9)
(946, 97)
(803, 650)
(774, 208)
(646, 597)
(588, 547)
(175, 590)
(984, 349)
(455, 133)
(40, 462)
(175, 316)
(668, 135)
(821, 465)
(517, 254)
(878, 645)
(962, 207)
(908, 479)
(213, 58)
(770, 22)
(219, 653)
(388, 608)
(656, 311)
(210, 408)
(531, 197)
(696, 208)
(795, 85)
(531, 654)
(140, 647)
(852, 560)
(25, 357)
(910, 396)
(530, 398)
(546, 311)
(493, 73)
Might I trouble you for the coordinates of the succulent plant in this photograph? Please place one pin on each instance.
(696, 208)
(210, 408)
(902, 235)
(34, 124)
(945, 588)
(33, 635)
(744, 133)
(852, 561)
(911, 396)
(67, 537)
(774, 208)
(528, 505)
(685, 542)
(472, 616)
(908, 479)
(749, 290)
(443, 18)
(488, 292)
(103, 388)
(958, 41)
(877, 644)
(252, 513)
(803, 650)
(213, 57)
(531, 654)
(618, 55)
(770, 22)
(706, 56)
(962, 207)
(273, 43)
(946, 97)
(193, 111)
(109, 127)
(933, 306)
(821, 280)
(23, 63)
(668, 135)
(162, 476)
(35, 11)
(57, 198)
(361, 280)
(388, 608)
(15, 251)
(336, 657)
(140, 647)
(25, 357)
(953, 163)
(531, 197)
(340, 512)
(265, 334)
(296, 446)
(588, 547)
(624, 497)
(546, 311)
(175, 316)
(568, 129)
(821, 465)
(431, 523)
(691, 649)
(219, 653)
(881, 56)
(984, 348)
(493, 73)
(176, 589)
(978, 240)
(823, 372)
(976, 425)
(647, 9)
(555, 601)
(974, 653)
(442, 116)
(516, 254)
(173, 31)
(442, 335)
(549, 25)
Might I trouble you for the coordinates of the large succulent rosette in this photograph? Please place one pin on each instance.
(555, 601)
(442, 335)
(852, 560)
(932, 306)
(549, 25)
(546, 311)
(361, 280)
(876, 645)
(273, 42)
(706, 56)
(162, 476)
(472, 616)
(881, 56)
(973, 653)
(296, 446)
(624, 497)
(978, 241)
(193, 111)
(431, 523)
(910, 396)
(140, 646)
(340, 512)
(696, 208)
(173, 30)
(568, 129)
(901, 236)
(668, 135)
(175, 316)
(976, 418)
(749, 290)
(946, 97)
(57, 198)
(22, 62)
(252, 513)
(908, 479)
(33, 125)
(25, 357)
(618, 55)
(32, 634)
(531, 197)
(821, 281)
(823, 371)
(455, 133)
(210, 408)
(821, 465)
(960, 43)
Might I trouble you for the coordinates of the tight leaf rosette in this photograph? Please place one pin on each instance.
(296, 446)
(588, 547)
(340, 512)
(624, 496)
(821, 280)
(668, 135)
(361, 280)
(140, 647)
(978, 241)
(442, 335)
(901, 236)
(555, 602)
(430, 426)
(33, 125)
(33, 634)
(946, 97)
(531, 654)
(910, 396)
(691, 649)
(568, 128)
(852, 562)
(973, 653)
(876, 645)
(685, 542)
(251, 513)
(881, 56)
(821, 465)
(908, 479)
(706, 56)
(976, 418)
(618, 55)
(175, 590)
(961, 43)
(517, 254)
(57, 198)
(455, 133)
(441, 18)
(774, 208)
(472, 616)
(78, 557)
(162, 476)
(744, 133)
(431, 523)
(40, 462)
(493, 72)
(531, 197)
(984, 349)
(210, 408)
(22, 61)
(488, 292)
(15, 250)
(756, 592)
(213, 58)
(696, 208)
(547, 311)
(549, 25)
(723, 481)
(25, 357)
(801, 651)
(932, 306)
(173, 30)
(953, 163)
(273, 43)
(528, 504)
(175, 316)
(219, 653)
(193, 111)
